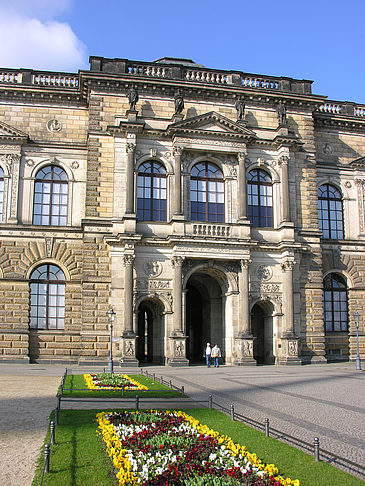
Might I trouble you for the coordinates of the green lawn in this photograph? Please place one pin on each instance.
(77, 459)
(75, 387)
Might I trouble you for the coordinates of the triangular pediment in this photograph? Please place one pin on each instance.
(211, 124)
(359, 163)
(9, 133)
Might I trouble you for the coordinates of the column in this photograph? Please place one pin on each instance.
(177, 262)
(288, 300)
(15, 170)
(242, 186)
(177, 152)
(244, 299)
(283, 163)
(131, 147)
(128, 294)
(243, 342)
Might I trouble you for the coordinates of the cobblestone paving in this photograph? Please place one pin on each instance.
(326, 401)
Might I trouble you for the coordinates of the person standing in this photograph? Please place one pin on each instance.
(216, 354)
(207, 354)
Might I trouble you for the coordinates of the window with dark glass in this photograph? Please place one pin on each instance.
(1, 194)
(259, 198)
(151, 192)
(335, 303)
(207, 193)
(50, 197)
(47, 298)
(330, 212)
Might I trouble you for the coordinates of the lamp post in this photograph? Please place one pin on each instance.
(111, 320)
(357, 320)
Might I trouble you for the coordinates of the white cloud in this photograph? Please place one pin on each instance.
(38, 43)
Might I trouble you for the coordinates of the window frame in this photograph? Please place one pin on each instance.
(327, 214)
(155, 204)
(203, 188)
(53, 290)
(61, 219)
(261, 193)
(333, 303)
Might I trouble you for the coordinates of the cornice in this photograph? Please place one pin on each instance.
(41, 95)
(347, 123)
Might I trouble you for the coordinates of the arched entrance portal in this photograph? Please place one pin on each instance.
(150, 332)
(204, 315)
(262, 330)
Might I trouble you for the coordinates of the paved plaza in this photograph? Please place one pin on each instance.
(327, 401)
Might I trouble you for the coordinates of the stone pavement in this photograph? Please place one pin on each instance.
(327, 401)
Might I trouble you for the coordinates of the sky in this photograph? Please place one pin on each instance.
(319, 40)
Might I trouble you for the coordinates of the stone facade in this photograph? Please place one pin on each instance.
(257, 291)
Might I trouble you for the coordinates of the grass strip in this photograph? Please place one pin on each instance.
(76, 387)
(78, 459)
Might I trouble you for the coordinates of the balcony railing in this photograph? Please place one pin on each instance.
(342, 109)
(39, 78)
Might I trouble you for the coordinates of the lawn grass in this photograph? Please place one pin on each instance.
(75, 387)
(78, 459)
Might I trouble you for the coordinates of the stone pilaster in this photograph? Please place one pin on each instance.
(128, 338)
(284, 163)
(289, 341)
(131, 147)
(177, 337)
(177, 152)
(243, 341)
(242, 186)
(15, 172)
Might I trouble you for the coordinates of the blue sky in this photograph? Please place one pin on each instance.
(319, 40)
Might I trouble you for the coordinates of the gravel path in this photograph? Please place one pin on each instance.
(25, 405)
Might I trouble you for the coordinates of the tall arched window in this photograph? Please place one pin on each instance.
(259, 198)
(207, 193)
(47, 298)
(1, 194)
(335, 303)
(50, 197)
(152, 192)
(330, 212)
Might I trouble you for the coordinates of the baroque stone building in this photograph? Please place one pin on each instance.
(201, 205)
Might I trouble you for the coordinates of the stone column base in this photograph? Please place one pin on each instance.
(243, 351)
(128, 346)
(178, 348)
(289, 351)
(288, 361)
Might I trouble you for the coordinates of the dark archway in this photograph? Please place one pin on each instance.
(150, 341)
(262, 330)
(204, 315)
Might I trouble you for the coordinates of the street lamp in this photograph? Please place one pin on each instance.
(357, 320)
(111, 320)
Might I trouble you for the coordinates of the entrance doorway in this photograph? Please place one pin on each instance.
(204, 315)
(262, 330)
(150, 341)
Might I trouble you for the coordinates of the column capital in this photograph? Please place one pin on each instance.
(242, 156)
(177, 151)
(128, 259)
(283, 160)
(177, 261)
(245, 263)
(130, 147)
(287, 266)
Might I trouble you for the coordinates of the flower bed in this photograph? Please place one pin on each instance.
(112, 381)
(172, 448)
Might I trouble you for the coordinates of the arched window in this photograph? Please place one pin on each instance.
(330, 212)
(1, 194)
(50, 197)
(335, 303)
(151, 192)
(259, 198)
(207, 193)
(47, 298)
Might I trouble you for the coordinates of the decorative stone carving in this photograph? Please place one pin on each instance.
(327, 148)
(177, 261)
(348, 184)
(128, 259)
(179, 348)
(283, 160)
(263, 272)
(75, 165)
(30, 163)
(293, 348)
(49, 246)
(130, 147)
(129, 347)
(287, 265)
(54, 125)
(360, 197)
(152, 269)
(153, 152)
